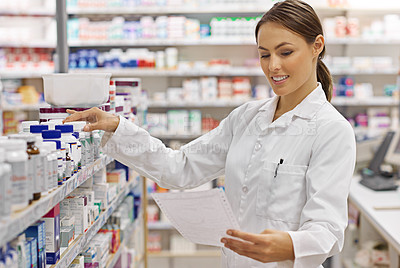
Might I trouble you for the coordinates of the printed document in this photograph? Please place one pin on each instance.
(201, 217)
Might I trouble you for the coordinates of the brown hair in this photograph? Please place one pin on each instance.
(300, 18)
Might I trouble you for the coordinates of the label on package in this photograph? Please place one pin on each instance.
(19, 182)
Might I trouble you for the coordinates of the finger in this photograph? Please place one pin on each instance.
(243, 235)
(253, 255)
(71, 111)
(91, 127)
(237, 243)
(80, 116)
(76, 116)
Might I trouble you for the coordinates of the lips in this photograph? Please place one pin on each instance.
(279, 79)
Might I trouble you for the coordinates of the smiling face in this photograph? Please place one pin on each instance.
(287, 60)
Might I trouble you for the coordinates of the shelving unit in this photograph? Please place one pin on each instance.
(70, 253)
(31, 44)
(19, 221)
(218, 71)
(215, 42)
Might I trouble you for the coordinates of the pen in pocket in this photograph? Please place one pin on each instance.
(277, 166)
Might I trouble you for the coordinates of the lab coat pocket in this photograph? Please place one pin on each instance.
(281, 197)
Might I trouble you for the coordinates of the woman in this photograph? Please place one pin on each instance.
(288, 160)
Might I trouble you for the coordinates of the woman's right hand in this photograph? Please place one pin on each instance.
(98, 119)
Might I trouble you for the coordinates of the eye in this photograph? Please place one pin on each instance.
(287, 53)
(264, 56)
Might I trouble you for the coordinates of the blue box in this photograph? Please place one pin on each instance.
(37, 231)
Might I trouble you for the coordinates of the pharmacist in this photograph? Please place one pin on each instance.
(288, 160)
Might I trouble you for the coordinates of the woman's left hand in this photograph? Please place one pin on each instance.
(269, 246)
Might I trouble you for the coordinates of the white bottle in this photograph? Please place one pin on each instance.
(32, 164)
(55, 135)
(69, 170)
(52, 166)
(17, 157)
(43, 161)
(47, 177)
(37, 130)
(25, 126)
(5, 186)
(78, 128)
(96, 144)
(59, 164)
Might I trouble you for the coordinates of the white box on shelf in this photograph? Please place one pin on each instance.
(76, 90)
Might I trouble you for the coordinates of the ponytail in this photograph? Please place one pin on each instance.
(325, 78)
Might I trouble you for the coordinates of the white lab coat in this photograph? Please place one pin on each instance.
(308, 197)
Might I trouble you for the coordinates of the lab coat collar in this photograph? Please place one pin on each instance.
(306, 109)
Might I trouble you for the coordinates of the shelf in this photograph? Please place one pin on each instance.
(361, 41)
(30, 44)
(11, 228)
(374, 101)
(217, 71)
(28, 12)
(212, 9)
(198, 104)
(392, 71)
(23, 74)
(80, 242)
(165, 42)
(197, 253)
(160, 226)
(210, 71)
(216, 41)
(24, 107)
(158, 10)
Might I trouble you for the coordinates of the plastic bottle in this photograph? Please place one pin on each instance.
(80, 136)
(5, 186)
(52, 165)
(25, 126)
(68, 164)
(96, 144)
(59, 160)
(17, 157)
(34, 165)
(37, 129)
(67, 137)
(55, 135)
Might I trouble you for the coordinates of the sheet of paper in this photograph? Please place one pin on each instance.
(201, 217)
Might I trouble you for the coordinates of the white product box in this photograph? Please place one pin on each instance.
(68, 221)
(78, 208)
(100, 192)
(100, 176)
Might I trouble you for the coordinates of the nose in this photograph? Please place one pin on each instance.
(274, 64)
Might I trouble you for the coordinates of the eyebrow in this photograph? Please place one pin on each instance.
(278, 46)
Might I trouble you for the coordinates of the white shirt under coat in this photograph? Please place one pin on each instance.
(308, 197)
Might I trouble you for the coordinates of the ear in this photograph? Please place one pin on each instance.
(318, 45)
